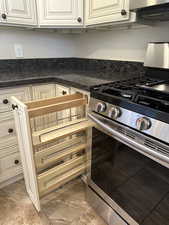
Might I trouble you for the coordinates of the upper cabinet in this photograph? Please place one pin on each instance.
(106, 11)
(20, 12)
(63, 13)
(57, 13)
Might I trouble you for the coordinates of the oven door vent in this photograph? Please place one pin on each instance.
(156, 147)
(151, 144)
(126, 132)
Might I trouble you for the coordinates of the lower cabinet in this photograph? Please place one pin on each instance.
(10, 165)
(53, 156)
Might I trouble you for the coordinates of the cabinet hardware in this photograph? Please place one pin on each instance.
(14, 107)
(4, 16)
(123, 12)
(79, 19)
(5, 101)
(16, 161)
(64, 92)
(10, 130)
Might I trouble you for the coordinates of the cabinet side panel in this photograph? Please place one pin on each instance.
(26, 150)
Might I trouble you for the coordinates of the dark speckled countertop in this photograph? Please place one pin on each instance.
(73, 80)
(78, 73)
(77, 80)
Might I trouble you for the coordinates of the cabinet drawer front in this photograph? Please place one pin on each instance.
(8, 147)
(5, 97)
(7, 129)
(10, 173)
(10, 162)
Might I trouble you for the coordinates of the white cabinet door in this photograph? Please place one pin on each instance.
(60, 13)
(43, 92)
(106, 11)
(20, 12)
(63, 116)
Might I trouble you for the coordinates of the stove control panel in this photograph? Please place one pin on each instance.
(114, 112)
(143, 123)
(132, 119)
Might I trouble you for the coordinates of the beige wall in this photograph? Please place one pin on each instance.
(116, 44)
(36, 44)
(119, 44)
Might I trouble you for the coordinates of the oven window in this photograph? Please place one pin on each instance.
(136, 183)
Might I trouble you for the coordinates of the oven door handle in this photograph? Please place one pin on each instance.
(131, 143)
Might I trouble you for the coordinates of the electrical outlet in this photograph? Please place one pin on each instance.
(18, 51)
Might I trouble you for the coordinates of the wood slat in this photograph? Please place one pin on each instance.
(47, 138)
(37, 134)
(59, 170)
(40, 111)
(52, 101)
(61, 180)
(48, 159)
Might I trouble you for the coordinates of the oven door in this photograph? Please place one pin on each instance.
(134, 185)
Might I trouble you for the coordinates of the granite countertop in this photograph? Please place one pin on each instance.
(79, 80)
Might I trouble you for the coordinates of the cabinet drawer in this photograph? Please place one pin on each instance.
(7, 130)
(10, 173)
(8, 147)
(10, 166)
(5, 97)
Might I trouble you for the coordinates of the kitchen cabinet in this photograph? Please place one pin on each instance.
(18, 12)
(106, 11)
(47, 163)
(10, 166)
(8, 138)
(56, 13)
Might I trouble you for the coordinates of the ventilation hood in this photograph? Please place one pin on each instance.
(151, 10)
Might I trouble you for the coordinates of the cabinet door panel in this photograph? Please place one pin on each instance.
(56, 12)
(21, 11)
(98, 12)
(5, 97)
(43, 92)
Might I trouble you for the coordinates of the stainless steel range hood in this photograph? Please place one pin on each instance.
(151, 10)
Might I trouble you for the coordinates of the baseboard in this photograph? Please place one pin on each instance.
(11, 181)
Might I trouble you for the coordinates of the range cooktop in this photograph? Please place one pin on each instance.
(140, 94)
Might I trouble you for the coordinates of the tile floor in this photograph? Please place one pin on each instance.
(66, 206)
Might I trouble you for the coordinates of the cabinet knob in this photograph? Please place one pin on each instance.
(5, 101)
(4, 16)
(79, 19)
(64, 92)
(16, 161)
(123, 12)
(10, 130)
(14, 107)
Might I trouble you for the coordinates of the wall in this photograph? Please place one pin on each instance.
(127, 45)
(36, 44)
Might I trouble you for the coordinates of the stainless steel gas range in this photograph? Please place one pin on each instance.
(128, 181)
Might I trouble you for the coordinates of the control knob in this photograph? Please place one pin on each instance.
(114, 112)
(101, 107)
(143, 123)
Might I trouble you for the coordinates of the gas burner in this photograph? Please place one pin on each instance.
(141, 91)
